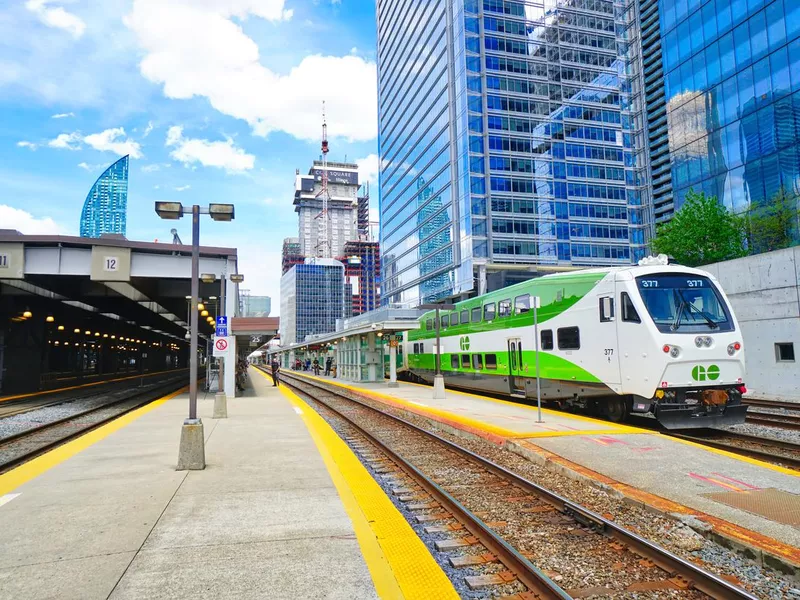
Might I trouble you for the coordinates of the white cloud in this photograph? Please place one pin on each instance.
(24, 144)
(224, 155)
(90, 168)
(56, 17)
(63, 115)
(210, 56)
(368, 168)
(114, 140)
(66, 141)
(183, 188)
(148, 129)
(151, 168)
(25, 222)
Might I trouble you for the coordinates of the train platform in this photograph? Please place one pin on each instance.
(283, 509)
(740, 501)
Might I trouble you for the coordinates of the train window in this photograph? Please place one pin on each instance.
(513, 353)
(464, 317)
(476, 314)
(629, 313)
(429, 324)
(465, 361)
(477, 361)
(547, 339)
(491, 361)
(606, 309)
(445, 320)
(488, 311)
(522, 304)
(569, 338)
(504, 308)
(784, 352)
(454, 361)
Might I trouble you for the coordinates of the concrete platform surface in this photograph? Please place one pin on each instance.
(116, 520)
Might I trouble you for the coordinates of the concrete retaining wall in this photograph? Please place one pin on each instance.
(765, 293)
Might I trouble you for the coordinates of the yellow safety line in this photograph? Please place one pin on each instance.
(83, 385)
(16, 477)
(398, 561)
(747, 459)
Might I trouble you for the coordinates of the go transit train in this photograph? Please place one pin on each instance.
(655, 339)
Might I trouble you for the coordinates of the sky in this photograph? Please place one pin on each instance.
(214, 101)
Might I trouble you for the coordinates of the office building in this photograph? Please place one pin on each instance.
(723, 100)
(312, 298)
(510, 133)
(254, 306)
(106, 205)
(342, 221)
(362, 265)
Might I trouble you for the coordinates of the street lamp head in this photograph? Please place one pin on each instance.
(169, 210)
(208, 278)
(221, 212)
(237, 278)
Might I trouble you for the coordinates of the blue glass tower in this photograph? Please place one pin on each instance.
(723, 100)
(509, 132)
(105, 209)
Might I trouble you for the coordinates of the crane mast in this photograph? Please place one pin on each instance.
(323, 243)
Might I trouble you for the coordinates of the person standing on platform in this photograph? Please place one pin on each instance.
(328, 362)
(275, 371)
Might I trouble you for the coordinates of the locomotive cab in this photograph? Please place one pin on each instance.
(691, 365)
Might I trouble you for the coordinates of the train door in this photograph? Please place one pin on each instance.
(605, 353)
(516, 376)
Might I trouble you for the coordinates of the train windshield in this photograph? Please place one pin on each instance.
(684, 303)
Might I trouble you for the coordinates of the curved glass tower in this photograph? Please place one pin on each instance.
(106, 204)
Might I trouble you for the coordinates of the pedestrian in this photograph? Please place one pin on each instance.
(316, 367)
(328, 362)
(275, 371)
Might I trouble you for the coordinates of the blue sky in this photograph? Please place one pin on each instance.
(215, 101)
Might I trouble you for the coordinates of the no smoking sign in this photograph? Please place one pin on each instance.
(222, 346)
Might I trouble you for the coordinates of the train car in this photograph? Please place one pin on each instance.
(655, 339)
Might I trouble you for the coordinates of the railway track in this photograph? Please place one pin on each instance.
(22, 446)
(522, 540)
(785, 454)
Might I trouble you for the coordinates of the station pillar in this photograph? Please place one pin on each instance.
(393, 362)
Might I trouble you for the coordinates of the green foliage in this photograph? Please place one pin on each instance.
(774, 225)
(701, 232)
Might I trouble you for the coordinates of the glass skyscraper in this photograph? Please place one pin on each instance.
(509, 132)
(105, 209)
(312, 298)
(723, 99)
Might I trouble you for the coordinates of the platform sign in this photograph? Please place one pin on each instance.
(222, 326)
(12, 261)
(110, 264)
(222, 346)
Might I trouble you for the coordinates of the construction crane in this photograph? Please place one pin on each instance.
(323, 245)
(176, 239)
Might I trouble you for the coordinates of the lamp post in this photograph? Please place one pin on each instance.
(438, 379)
(191, 455)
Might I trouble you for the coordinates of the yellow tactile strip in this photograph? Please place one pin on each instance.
(399, 562)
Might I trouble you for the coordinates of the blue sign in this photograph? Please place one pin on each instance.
(222, 326)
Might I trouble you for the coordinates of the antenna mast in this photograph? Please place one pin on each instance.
(323, 246)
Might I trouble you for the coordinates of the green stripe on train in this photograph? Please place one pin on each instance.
(551, 366)
(557, 292)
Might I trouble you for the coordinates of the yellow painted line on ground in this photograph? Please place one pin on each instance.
(83, 385)
(30, 470)
(739, 457)
(399, 562)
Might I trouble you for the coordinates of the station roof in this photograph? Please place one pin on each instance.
(59, 269)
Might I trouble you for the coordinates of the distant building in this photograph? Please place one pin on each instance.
(254, 306)
(105, 209)
(342, 222)
(362, 265)
(291, 254)
(312, 298)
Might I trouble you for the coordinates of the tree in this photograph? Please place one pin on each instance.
(773, 226)
(701, 232)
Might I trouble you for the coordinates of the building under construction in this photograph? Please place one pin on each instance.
(291, 255)
(362, 269)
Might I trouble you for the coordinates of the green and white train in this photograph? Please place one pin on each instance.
(659, 340)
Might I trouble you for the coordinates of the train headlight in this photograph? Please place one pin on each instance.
(698, 341)
(734, 348)
(707, 342)
(674, 352)
(703, 341)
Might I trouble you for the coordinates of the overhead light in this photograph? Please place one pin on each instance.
(169, 210)
(105, 335)
(212, 297)
(113, 337)
(27, 314)
(204, 313)
(61, 328)
(237, 278)
(208, 278)
(50, 319)
(221, 212)
(87, 332)
(97, 334)
(76, 330)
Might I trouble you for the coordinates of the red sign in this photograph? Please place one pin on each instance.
(221, 345)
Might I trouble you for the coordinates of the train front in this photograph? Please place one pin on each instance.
(699, 370)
